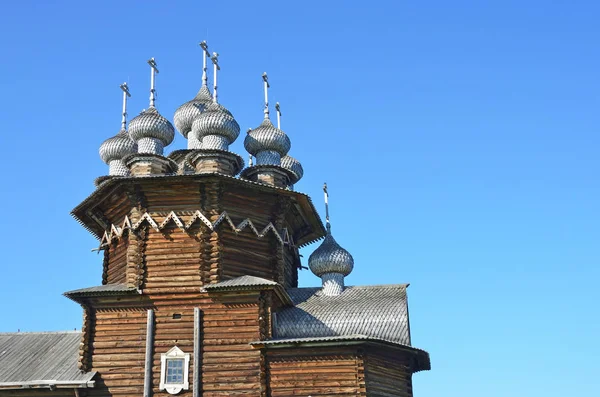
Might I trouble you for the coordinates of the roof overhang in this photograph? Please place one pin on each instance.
(80, 295)
(422, 361)
(84, 212)
(269, 285)
(49, 384)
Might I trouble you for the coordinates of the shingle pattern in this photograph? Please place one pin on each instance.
(40, 358)
(243, 281)
(102, 289)
(372, 311)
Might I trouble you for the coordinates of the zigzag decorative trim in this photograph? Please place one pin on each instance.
(116, 232)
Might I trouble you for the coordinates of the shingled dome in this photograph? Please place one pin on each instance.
(216, 127)
(293, 165)
(267, 143)
(114, 149)
(151, 131)
(188, 112)
(330, 257)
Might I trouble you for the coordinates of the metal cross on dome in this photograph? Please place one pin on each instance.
(266, 86)
(153, 72)
(126, 94)
(216, 67)
(205, 54)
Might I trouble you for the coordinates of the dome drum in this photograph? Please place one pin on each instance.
(117, 168)
(150, 146)
(333, 283)
(268, 157)
(146, 164)
(194, 142)
(215, 142)
(273, 175)
(223, 162)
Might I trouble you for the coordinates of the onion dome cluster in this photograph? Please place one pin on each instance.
(114, 149)
(215, 128)
(290, 163)
(186, 114)
(151, 131)
(267, 143)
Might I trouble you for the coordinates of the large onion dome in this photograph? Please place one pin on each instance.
(188, 112)
(267, 143)
(215, 128)
(293, 165)
(330, 258)
(114, 149)
(151, 131)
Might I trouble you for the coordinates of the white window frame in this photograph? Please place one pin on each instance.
(174, 388)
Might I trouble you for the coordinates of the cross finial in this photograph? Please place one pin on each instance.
(205, 54)
(126, 94)
(267, 86)
(153, 72)
(278, 115)
(327, 208)
(215, 61)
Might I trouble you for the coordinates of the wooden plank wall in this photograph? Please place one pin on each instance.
(387, 375)
(315, 372)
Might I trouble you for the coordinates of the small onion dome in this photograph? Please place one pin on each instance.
(330, 258)
(215, 127)
(293, 165)
(151, 126)
(117, 147)
(271, 141)
(191, 110)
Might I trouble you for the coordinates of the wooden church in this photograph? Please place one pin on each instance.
(199, 293)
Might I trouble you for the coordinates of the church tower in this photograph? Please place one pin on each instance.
(199, 293)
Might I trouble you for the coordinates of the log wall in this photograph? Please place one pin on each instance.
(229, 365)
(117, 265)
(315, 372)
(387, 375)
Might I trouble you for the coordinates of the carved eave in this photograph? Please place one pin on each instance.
(302, 216)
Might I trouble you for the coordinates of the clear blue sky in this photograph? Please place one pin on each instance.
(459, 140)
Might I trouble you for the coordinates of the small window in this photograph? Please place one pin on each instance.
(174, 371)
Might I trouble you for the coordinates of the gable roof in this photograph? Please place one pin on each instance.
(379, 312)
(41, 359)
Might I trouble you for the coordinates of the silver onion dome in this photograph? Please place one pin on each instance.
(188, 112)
(293, 165)
(216, 127)
(330, 258)
(151, 131)
(117, 147)
(267, 143)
